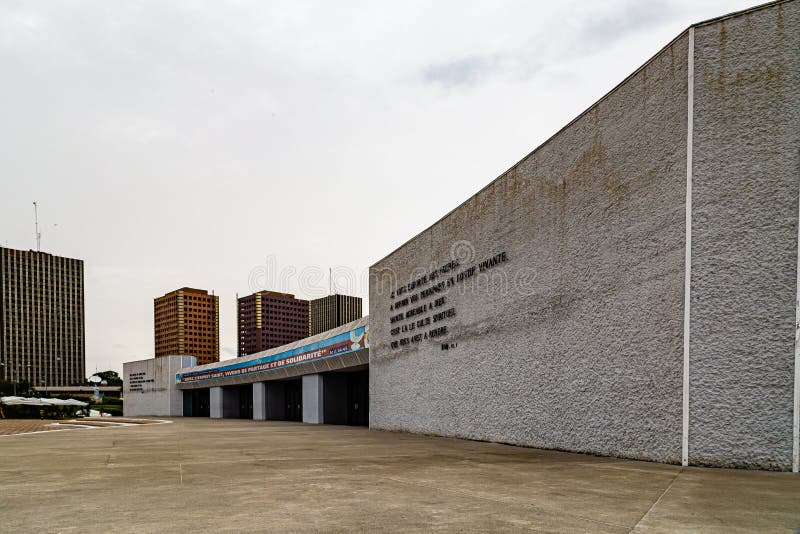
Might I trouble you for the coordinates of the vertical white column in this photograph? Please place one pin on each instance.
(796, 414)
(313, 397)
(259, 401)
(215, 403)
(687, 275)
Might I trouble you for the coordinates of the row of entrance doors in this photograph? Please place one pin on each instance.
(345, 402)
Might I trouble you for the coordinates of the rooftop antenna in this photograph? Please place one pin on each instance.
(38, 234)
(330, 281)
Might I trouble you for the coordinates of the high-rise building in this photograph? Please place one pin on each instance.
(41, 318)
(270, 319)
(187, 323)
(332, 311)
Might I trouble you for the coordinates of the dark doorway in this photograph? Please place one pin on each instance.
(246, 401)
(293, 396)
(276, 400)
(196, 403)
(335, 400)
(346, 398)
(358, 398)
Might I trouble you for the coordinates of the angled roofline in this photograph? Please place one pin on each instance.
(584, 112)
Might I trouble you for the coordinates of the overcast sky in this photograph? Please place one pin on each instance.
(238, 146)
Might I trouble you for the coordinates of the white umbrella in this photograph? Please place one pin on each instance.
(33, 401)
(74, 402)
(22, 401)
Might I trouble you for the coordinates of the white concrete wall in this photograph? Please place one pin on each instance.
(600, 333)
(149, 386)
(574, 341)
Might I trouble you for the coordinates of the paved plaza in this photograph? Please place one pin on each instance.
(243, 475)
(24, 426)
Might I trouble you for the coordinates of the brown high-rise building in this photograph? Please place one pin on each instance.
(41, 318)
(187, 323)
(332, 311)
(270, 319)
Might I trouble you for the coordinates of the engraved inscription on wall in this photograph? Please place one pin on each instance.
(420, 310)
(137, 381)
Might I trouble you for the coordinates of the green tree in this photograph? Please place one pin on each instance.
(111, 377)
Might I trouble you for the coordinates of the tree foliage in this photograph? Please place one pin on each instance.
(111, 377)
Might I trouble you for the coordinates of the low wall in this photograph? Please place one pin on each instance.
(150, 386)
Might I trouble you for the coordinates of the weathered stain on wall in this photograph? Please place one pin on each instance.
(746, 183)
(576, 341)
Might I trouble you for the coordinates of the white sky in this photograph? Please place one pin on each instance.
(238, 146)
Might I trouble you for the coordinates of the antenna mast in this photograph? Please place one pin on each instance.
(38, 234)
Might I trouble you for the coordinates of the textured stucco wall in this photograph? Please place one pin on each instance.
(576, 342)
(158, 394)
(744, 234)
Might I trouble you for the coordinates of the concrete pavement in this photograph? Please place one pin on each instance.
(240, 475)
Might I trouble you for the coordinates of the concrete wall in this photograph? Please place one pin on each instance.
(744, 245)
(576, 341)
(149, 386)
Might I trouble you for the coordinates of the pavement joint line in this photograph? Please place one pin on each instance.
(652, 471)
(500, 501)
(325, 460)
(660, 497)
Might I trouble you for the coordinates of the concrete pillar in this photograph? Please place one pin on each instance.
(215, 404)
(313, 399)
(259, 401)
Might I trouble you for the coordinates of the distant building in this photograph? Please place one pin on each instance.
(270, 319)
(332, 311)
(41, 318)
(187, 323)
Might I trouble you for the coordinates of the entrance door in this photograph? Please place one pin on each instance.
(196, 403)
(358, 398)
(246, 401)
(294, 400)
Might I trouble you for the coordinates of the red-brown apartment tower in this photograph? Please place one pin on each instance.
(270, 319)
(187, 323)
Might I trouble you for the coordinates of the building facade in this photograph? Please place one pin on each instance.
(41, 318)
(319, 379)
(149, 386)
(333, 311)
(186, 323)
(269, 319)
(628, 288)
